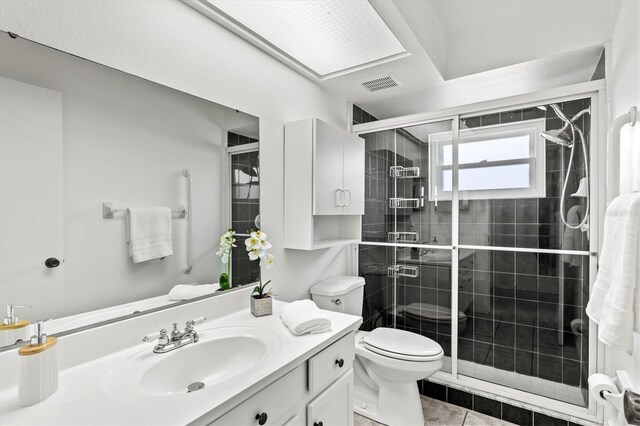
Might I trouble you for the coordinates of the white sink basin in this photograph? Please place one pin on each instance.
(222, 354)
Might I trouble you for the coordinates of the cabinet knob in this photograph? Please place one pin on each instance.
(340, 363)
(261, 418)
(52, 262)
(317, 424)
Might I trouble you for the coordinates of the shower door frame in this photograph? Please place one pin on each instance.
(598, 163)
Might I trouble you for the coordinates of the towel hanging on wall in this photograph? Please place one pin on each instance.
(615, 300)
(149, 233)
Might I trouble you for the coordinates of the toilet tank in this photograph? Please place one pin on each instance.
(343, 293)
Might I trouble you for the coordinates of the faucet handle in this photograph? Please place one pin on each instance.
(193, 322)
(160, 335)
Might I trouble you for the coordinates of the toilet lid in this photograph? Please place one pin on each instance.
(401, 344)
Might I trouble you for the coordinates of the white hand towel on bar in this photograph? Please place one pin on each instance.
(149, 233)
(616, 292)
(303, 316)
(191, 291)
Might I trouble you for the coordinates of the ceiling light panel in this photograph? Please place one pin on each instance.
(325, 37)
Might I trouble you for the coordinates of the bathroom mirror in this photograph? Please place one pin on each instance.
(79, 144)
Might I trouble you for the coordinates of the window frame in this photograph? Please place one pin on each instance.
(536, 160)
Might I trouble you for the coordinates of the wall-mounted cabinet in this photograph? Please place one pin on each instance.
(323, 185)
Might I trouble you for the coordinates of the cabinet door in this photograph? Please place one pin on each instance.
(334, 406)
(328, 189)
(353, 149)
(31, 197)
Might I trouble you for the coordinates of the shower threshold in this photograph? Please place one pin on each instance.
(548, 388)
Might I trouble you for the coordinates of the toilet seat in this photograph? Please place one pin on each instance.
(402, 345)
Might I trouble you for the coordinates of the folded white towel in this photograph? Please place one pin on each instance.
(303, 316)
(149, 233)
(616, 293)
(191, 291)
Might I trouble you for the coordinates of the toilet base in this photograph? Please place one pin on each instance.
(382, 406)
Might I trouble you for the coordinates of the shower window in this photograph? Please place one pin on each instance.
(498, 161)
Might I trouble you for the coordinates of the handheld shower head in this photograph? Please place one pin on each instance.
(563, 136)
(560, 137)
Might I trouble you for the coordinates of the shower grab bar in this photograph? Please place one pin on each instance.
(187, 174)
(613, 173)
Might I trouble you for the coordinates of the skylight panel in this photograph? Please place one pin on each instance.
(324, 37)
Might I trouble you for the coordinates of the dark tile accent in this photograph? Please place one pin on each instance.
(517, 415)
(543, 420)
(434, 390)
(487, 406)
(510, 116)
(460, 398)
(489, 119)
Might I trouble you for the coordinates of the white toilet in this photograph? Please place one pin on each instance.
(389, 362)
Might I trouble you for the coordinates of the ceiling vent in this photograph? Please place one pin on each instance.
(381, 83)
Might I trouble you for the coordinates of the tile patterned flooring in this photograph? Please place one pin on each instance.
(438, 413)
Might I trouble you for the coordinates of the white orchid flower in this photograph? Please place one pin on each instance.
(267, 261)
(257, 246)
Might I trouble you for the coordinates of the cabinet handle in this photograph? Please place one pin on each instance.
(339, 202)
(317, 424)
(340, 362)
(52, 262)
(261, 418)
(348, 191)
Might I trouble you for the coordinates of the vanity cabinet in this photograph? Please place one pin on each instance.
(317, 392)
(334, 406)
(323, 185)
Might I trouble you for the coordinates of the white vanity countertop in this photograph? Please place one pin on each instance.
(83, 398)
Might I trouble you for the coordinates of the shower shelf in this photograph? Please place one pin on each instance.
(402, 237)
(396, 271)
(404, 172)
(404, 203)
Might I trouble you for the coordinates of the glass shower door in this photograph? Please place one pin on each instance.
(524, 271)
(406, 254)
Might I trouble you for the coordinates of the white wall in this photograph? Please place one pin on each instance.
(623, 90)
(172, 44)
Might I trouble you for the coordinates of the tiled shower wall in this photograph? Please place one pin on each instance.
(245, 206)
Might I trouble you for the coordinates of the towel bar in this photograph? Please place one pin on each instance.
(108, 211)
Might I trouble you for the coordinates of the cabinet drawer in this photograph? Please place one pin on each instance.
(271, 400)
(331, 363)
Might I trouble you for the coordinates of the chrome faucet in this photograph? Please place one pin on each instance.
(177, 339)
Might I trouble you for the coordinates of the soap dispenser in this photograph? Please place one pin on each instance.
(12, 329)
(38, 368)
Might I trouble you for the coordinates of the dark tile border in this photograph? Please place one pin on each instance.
(488, 406)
